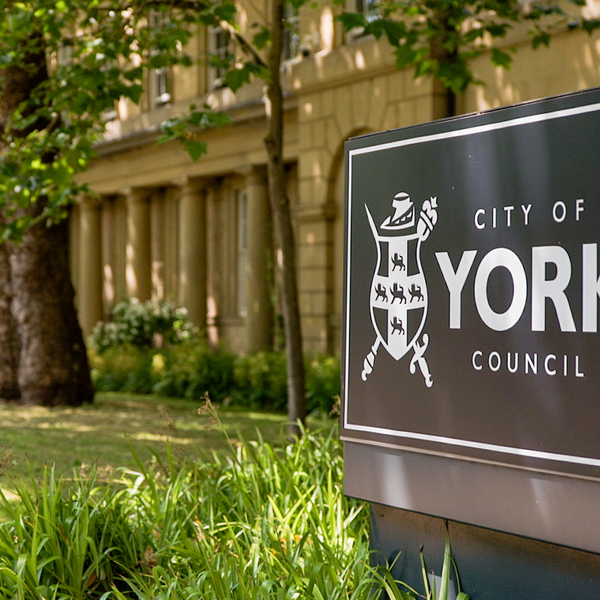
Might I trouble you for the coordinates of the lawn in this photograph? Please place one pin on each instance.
(102, 433)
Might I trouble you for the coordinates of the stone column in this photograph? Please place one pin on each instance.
(90, 265)
(192, 251)
(157, 243)
(259, 310)
(137, 269)
(109, 251)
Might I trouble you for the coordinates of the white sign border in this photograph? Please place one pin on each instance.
(552, 456)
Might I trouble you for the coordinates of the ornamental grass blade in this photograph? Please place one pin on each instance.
(424, 574)
(445, 579)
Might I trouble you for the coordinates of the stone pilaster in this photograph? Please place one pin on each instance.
(192, 250)
(90, 264)
(137, 267)
(259, 309)
(157, 243)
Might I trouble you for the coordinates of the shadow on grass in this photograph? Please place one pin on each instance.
(101, 433)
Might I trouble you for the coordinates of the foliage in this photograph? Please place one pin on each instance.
(440, 37)
(67, 541)
(106, 49)
(430, 584)
(258, 522)
(191, 370)
(323, 380)
(261, 380)
(143, 324)
(123, 368)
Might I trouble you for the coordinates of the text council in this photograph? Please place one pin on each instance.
(540, 288)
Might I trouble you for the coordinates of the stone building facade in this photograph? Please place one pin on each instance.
(199, 233)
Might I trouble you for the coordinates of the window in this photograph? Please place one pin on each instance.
(158, 77)
(159, 87)
(242, 248)
(219, 56)
(291, 39)
(64, 56)
(368, 8)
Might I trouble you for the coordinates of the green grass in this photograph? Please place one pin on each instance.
(210, 517)
(101, 434)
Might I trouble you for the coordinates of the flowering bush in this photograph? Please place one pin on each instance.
(143, 325)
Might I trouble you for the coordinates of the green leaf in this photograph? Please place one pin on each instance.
(352, 20)
(226, 12)
(405, 55)
(590, 25)
(195, 148)
(262, 38)
(541, 38)
(236, 78)
(501, 58)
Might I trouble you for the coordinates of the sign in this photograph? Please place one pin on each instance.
(473, 287)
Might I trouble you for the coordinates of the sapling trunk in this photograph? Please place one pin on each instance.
(280, 206)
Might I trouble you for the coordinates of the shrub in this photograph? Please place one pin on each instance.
(191, 370)
(261, 380)
(143, 325)
(323, 381)
(122, 368)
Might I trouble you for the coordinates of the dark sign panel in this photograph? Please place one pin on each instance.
(473, 287)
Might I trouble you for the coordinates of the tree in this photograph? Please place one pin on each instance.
(50, 119)
(441, 37)
(250, 63)
(63, 64)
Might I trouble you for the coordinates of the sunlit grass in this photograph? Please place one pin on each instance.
(103, 433)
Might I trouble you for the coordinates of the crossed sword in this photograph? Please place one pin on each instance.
(418, 358)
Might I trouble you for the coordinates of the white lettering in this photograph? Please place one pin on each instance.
(455, 281)
(501, 257)
(554, 289)
(578, 208)
(546, 367)
(475, 365)
(508, 210)
(494, 361)
(526, 210)
(590, 288)
(494, 218)
(531, 363)
(478, 224)
(559, 215)
(577, 372)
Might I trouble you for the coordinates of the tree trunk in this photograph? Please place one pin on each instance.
(9, 346)
(280, 207)
(442, 54)
(53, 367)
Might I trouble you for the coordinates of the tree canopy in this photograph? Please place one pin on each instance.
(97, 54)
(441, 37)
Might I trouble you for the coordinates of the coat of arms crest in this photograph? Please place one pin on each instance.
(398, 294)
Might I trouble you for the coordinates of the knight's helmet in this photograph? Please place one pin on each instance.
(404, 214)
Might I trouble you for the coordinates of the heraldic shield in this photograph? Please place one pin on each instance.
(398, 294)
